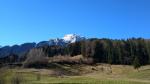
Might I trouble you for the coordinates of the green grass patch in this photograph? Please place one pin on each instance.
(143, 74)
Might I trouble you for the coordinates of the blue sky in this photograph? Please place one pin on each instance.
(36, 20)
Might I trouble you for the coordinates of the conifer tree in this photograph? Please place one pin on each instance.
(136, 63)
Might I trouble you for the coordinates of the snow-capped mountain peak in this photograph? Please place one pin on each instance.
(69, 38)
(72, 38)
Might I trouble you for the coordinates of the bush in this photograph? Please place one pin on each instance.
(71, 60)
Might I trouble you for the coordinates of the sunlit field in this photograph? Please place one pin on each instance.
(120, 75)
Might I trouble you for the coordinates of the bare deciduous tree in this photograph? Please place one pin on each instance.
(36, 57)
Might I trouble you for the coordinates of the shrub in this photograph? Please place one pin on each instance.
(71, 60)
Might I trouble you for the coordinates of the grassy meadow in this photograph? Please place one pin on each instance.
(77, 74)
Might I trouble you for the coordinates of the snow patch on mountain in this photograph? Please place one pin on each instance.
(68, 38)
(71, 38)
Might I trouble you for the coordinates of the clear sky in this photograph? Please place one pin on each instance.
(36, 20)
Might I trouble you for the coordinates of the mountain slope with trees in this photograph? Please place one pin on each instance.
(134, 51)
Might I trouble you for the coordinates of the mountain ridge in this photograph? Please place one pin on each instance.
(23, 48)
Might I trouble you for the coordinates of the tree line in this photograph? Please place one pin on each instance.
(134, 51)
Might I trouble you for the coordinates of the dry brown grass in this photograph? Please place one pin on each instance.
(69, 59)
